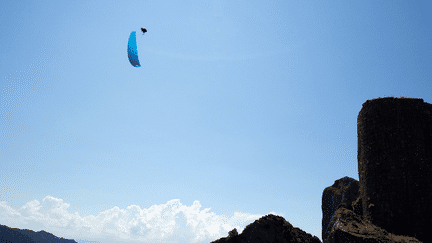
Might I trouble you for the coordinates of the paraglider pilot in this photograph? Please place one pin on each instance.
(143, 30)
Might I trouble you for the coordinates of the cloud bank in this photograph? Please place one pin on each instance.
(169, 222)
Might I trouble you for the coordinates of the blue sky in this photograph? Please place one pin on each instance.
(239, 109)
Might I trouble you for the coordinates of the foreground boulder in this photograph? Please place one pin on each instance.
(269, 229)
(350, 227)
(342, 193)
(14, 235)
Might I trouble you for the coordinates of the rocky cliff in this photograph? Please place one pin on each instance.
(392, 200)
(268, 229)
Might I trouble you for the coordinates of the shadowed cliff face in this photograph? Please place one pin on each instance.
(395, 172)
(343, 221)
(395, 165)
(14, 235)
(270, 228)
(341, 194)
(391, 202)
(346, 226)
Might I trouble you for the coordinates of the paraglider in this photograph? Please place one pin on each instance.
(132, 49)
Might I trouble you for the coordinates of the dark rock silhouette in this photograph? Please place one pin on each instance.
(346, 223)
(268, 229)
(349, 227)
(233, 233)
(341, 194)
(14, 235)
(392, 200)
(395, 172)
(395, 165)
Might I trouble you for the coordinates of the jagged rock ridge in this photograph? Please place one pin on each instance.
(269, 229)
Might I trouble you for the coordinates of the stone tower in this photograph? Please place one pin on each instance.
(395, 165)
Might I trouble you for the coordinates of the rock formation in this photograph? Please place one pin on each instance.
(392, 201)
(349, 227)
(14, 235)
(346, 222)
(341, 194)
(269, 229)
(395, 165)
(233, 233)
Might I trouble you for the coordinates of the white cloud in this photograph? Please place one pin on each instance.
(169, 222)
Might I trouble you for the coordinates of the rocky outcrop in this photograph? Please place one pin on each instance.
(341, 194)
(14, 235)
(349, 227)
(269, 229)
(395, 172)
(395, 165)
(346, 223)
(233, 233)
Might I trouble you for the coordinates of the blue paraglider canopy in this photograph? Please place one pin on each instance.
(132, 50)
